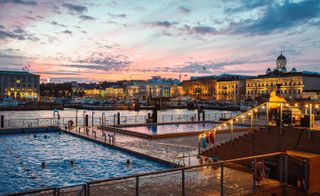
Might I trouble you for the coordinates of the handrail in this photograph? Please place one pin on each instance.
(234, 118)
(190, 167)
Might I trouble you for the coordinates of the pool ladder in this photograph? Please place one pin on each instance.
(180, 157)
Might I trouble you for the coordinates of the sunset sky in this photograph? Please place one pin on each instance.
(135, 39)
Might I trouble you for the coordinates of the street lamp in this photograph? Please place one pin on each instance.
(102, 119)
(114, 126)
(84, 119)
(76, 118)
(92, 120)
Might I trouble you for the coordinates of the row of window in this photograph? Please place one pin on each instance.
(228, 92)
(274, 84)
(294, 91)
(6, 85)
(226, 87)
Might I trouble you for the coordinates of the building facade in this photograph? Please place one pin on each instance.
(223, 87)
(290, 85)
(230, 90)
(200, 88)
(116, 93)
(176, 91)
(19, 85)
(140, 92)
(94, 92)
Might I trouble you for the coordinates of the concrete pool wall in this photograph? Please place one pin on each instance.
(122, 129)
(51, 130)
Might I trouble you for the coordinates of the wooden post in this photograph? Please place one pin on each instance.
(306, 177)
(267, 113)
(231, 125)
(221, 180)
(281, 107)
(254, 176)
(183, 183)
(251, 120)
(137, 186)
(310, 119)
(286, 174)
(281, 168)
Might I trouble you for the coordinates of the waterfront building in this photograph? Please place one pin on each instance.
(176, 91)
(19, 85)
(289, 84)
(222, 87)
(159, 90)
(230, 90)
(161, 87)
(93, 92)
(137, 92)
(113, 92)
(154, 87)
(200, 88)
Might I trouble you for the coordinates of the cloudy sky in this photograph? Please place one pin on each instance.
(135, 39)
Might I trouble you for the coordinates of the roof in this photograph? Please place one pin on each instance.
(222, 77)
(16, 73)
(280, 74)
(281, 57)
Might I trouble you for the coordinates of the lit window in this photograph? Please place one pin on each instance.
(18, 81)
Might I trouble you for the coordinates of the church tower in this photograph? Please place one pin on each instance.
(281, 63)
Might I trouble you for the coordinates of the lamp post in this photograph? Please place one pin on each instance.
(76, 118)
(84, 119)
(92, 120)
(310, 118)
(102, 119)
(114, 126)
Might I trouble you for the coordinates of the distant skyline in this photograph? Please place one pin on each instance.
(116, 40)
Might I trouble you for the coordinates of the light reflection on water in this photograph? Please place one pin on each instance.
(22, 154)
(68, 112)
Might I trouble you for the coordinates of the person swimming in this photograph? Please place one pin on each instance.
(44, 165)
(71, 162)
(128, 162)
(45, 136)
(34, 136)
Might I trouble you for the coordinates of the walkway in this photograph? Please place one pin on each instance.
(165, 148)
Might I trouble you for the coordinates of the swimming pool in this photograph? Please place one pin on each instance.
(170, 128)
(22, 155)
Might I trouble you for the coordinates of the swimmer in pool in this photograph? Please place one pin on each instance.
(43, 165)
(128, 162)
(71, 163)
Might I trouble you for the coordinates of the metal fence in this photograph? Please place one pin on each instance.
(212, 178)
(108, 120)
(269, 113)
